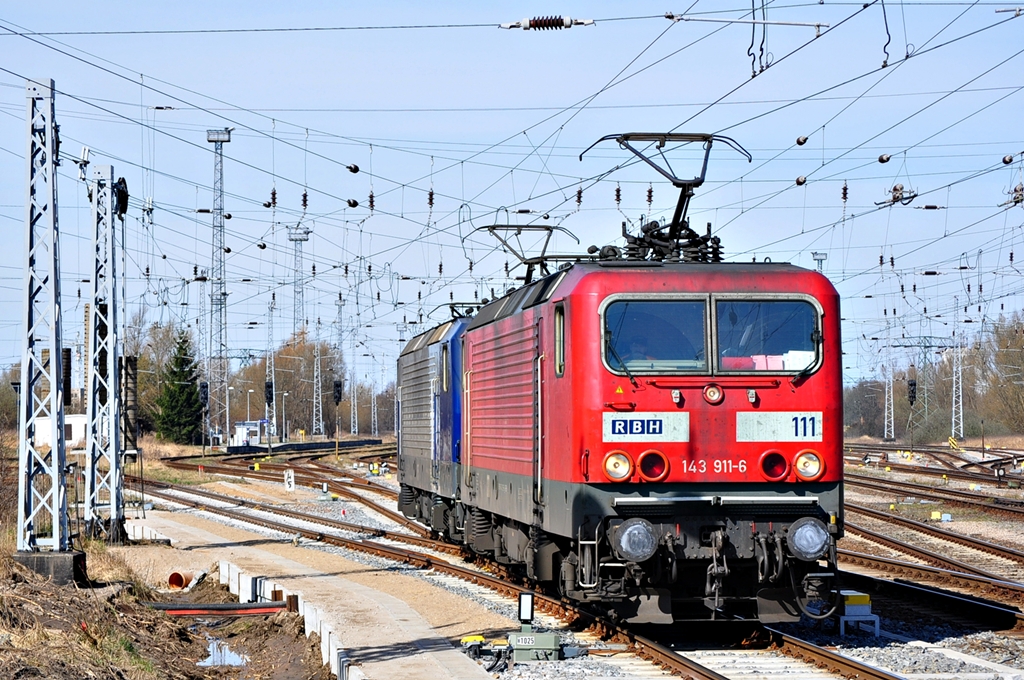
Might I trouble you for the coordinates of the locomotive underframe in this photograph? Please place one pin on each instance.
(722, 548)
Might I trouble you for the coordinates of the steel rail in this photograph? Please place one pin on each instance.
(960, 539)
(411, 539)
(834, 662)
(987, 503)
(921, 553)
(333, 486)
(1014, 592)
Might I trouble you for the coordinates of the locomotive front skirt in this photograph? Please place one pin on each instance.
(661, 439)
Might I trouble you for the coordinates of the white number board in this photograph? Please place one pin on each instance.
(652, 426)
(779, 426)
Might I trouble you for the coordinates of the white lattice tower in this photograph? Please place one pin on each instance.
(353, 410)
(219, 360)
(203, 344)
(42, 494)
(889, 424)
(957, 426)
(104, 507)
(298, 235)
(270, 410)
(374, 429)
(318, 388)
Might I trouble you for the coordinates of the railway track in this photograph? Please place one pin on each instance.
(807, 660)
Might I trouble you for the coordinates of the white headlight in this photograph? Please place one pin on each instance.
(807, 539)
(634, 540)
(618, 466)
(808, 465)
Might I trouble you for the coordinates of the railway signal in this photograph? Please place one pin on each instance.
(911, 391)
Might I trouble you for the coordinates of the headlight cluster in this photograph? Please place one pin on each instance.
(807, 464)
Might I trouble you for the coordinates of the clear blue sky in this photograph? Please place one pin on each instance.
(494, 120)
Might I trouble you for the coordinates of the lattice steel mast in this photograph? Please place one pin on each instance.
(104, 506)
(957, 427)
(318, 391)
(42, 494)
(890, 430)
(270, 410)
(219, 361)
(298, 235)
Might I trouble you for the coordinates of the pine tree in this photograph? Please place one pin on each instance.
(180, 416)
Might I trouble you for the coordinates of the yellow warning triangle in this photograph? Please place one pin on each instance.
(618, 390)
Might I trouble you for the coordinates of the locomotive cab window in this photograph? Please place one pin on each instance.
(766, 335)
(659, 336)
(444, 368)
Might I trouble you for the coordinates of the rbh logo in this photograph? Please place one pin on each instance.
(636, 426)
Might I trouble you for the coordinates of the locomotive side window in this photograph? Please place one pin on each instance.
(663, 336)
(766, 335)
(444, 368)
(559, 340)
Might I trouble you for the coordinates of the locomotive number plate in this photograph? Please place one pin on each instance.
(779, 426)
(525, 640)
(652, 426)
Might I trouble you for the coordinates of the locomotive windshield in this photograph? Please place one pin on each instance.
(662, 336)
(766, 335)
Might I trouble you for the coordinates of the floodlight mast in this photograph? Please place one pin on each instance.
(219, 362)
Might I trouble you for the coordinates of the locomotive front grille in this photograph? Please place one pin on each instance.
(747, 506)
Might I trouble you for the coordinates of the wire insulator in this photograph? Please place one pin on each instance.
(305, 200)
(378, 296)
(369, 269)
(476, 295)
(471, 266)
(273, 198)
(914, 288)
(968, 290)
(925, 310)
(430, 198)
(579, 197)
(1011, 257)
(846, 192)
(440, 268)
(370, 201)
(549, 23)
(892, 262)
(451, 296)
(901, 289)
(618, 194)
(881, 260)
(419, 295)
(650, 195)
(506, 271)
(314, 269)
(346, 270)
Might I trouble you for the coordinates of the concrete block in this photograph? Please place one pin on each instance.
(325, 642)
(224, 568)
(310, 618)
(63, 567)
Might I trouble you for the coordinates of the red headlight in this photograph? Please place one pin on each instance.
(653, 466)
(774, 466)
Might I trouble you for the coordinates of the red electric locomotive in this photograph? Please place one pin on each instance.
(656, 431)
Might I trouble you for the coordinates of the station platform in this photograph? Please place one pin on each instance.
(382, 635)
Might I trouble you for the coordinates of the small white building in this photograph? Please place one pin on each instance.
(75, 427)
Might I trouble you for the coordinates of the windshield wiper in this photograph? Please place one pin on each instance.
(611, 347)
